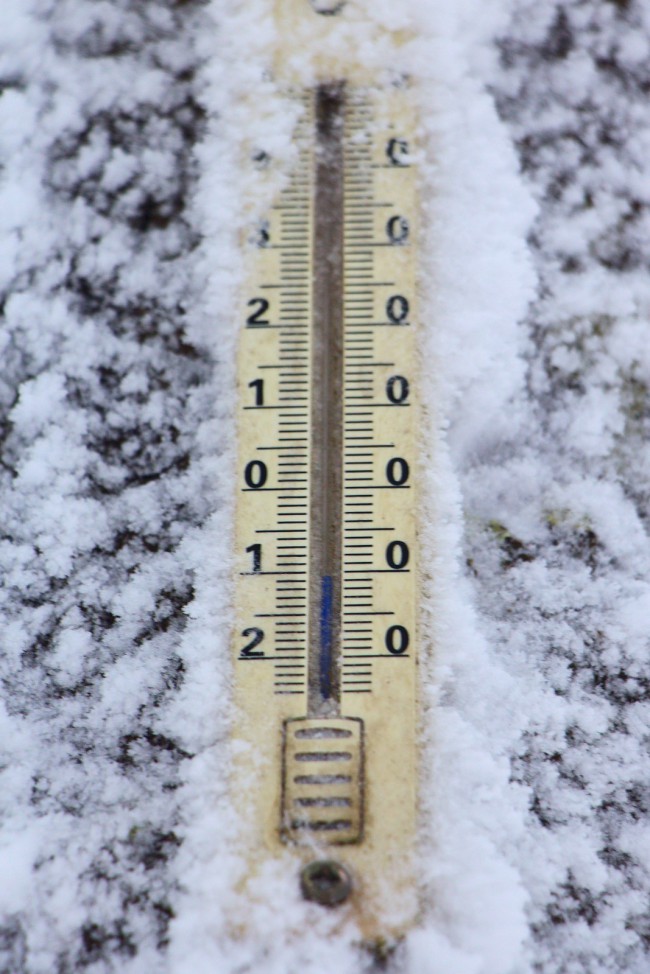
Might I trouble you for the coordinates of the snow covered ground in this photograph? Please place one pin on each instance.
(122, 183)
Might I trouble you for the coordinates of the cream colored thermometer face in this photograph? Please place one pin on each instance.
(326, 636)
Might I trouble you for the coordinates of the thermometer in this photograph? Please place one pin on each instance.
(325, 641)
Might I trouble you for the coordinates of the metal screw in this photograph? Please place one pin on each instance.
(325, 882)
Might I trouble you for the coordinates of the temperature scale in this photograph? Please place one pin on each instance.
(326, 631)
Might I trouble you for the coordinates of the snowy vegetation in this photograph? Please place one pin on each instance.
(121, 198)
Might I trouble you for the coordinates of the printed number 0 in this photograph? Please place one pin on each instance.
(396, 149)
(397, 229)
(255, 474)
(397, 389)
(397, 309)
(397, 555)
(397, 471)
(397, 640)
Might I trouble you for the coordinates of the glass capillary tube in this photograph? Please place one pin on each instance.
(327, 404)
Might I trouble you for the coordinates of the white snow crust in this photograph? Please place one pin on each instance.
(126, 137)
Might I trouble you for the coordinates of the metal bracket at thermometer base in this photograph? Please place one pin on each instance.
(322, 781)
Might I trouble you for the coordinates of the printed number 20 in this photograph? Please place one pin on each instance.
(249, 651)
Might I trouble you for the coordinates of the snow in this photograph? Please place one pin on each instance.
(126, 134)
